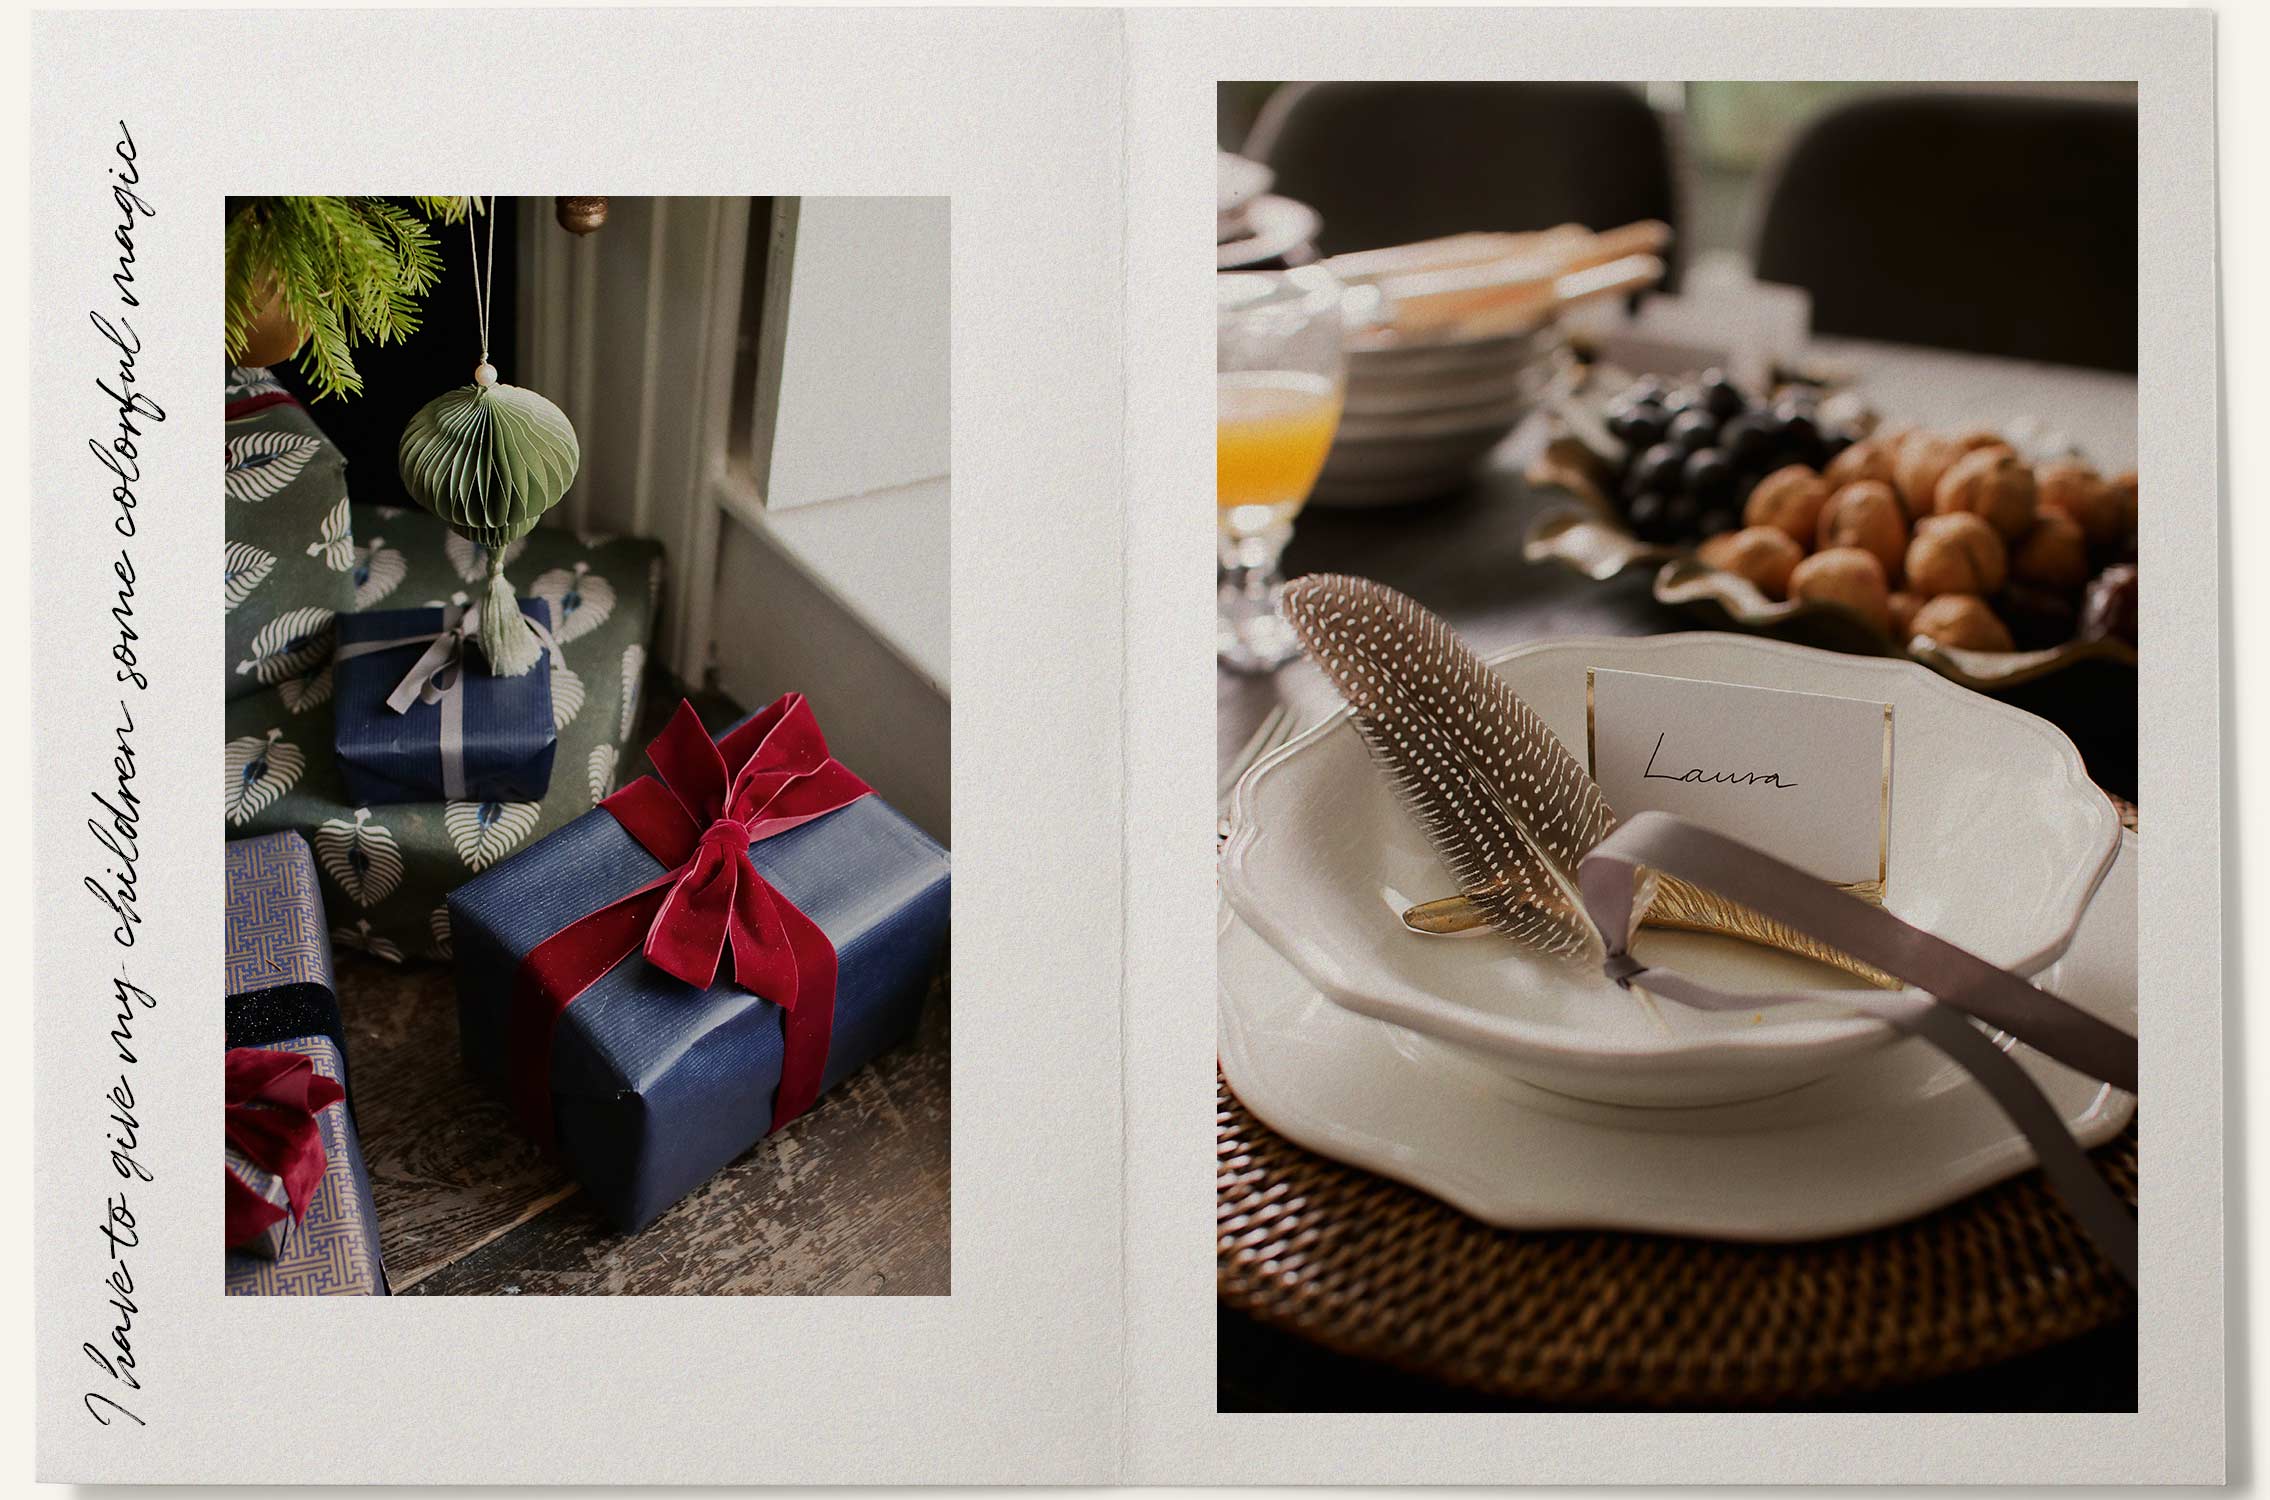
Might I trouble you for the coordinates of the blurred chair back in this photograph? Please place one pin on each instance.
(1388, 163)
(1992, 224)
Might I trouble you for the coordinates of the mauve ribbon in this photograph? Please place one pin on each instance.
(438, 676)
(707, 802)
(1967, 985)
(272, 1102)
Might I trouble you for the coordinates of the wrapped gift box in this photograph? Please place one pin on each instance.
(265, 1185)
(504, 727)
(656, 1083)
(281, 998)
(289, 537)
(385, 869)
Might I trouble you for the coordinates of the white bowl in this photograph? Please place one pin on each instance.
(1998, 841)
(1238, 181)
(1419, 417)
(1899, 1133)
(1267, 230)
(1486, 423)
(1402, 398)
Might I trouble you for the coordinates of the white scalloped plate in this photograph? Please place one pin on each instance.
(1899, 1134)
(1998, 840)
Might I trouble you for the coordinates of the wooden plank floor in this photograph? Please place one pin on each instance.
(851, 1199)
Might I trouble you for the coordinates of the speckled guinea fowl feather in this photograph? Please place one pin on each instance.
(1506, 806)
(1502, 801)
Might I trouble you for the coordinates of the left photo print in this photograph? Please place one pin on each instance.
(586, 782)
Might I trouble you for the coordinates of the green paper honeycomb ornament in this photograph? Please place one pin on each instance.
(489, 459)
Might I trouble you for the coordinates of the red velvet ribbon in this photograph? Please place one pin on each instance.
(272, 1102)
(706, 803)
(238, 410)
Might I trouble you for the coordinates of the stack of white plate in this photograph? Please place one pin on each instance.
(1463, 347)
(1537, 1094)
(1420, 417)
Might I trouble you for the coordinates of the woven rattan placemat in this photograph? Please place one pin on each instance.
(1369, 1267)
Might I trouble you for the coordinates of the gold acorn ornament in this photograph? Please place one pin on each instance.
(489, 459)
(274, 335)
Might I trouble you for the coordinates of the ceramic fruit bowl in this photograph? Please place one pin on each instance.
(1997, 842)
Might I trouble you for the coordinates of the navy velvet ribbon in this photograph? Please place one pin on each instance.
(262, 1018)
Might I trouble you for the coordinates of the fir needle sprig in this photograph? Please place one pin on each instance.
(348, 271)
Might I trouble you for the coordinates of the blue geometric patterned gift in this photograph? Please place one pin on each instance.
(684, 969)
(281, 998)
(418, 717)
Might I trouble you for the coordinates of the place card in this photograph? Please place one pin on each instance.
(1803, 776)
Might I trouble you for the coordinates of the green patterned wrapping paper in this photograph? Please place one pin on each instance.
(288, 531)
(387, 869)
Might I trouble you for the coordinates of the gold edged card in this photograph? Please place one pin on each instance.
(1871, 891)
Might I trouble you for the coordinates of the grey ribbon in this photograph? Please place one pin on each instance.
(438, 676)
(1965, 986)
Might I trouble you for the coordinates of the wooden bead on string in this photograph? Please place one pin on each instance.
(579, 215)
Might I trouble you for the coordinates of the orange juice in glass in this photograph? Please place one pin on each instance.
(1279, 374)
(1272, 430)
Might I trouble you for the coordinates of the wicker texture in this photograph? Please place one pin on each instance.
(1372, 1268)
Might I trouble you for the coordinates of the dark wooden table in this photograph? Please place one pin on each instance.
(1461, 556)
(851, 1199)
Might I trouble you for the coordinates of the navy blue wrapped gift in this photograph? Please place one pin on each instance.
(675, 974)
(419, 718)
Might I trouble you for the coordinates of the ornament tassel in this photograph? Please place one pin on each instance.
(506, 640)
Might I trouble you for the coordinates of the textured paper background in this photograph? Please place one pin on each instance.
(1175, 1434)
(1016, 1375)
(1019, 1375)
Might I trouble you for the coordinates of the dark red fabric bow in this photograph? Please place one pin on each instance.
(706, 803)
(272, 1102)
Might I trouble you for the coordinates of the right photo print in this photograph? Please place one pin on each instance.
(1676, 658)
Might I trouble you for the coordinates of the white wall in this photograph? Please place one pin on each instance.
(832, 561)
(860, 400)
(816, 561)
(780, 631)
(631, 330)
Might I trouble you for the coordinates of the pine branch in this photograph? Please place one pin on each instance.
(446, 210)
(347, 270)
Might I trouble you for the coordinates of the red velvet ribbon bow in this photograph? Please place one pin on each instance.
(706, 803)
(272, 1102)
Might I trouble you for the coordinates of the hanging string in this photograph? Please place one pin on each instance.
(482, 284)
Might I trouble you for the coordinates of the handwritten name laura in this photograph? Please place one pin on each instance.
(1698, 776)
(116, 822)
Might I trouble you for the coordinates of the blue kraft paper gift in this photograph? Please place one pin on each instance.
(418, 717)
(282, 998)
(647, 1084)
